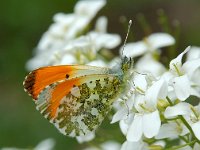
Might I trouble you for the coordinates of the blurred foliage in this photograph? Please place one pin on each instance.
(21, 25)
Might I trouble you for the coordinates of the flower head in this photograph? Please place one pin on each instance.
(149, 44)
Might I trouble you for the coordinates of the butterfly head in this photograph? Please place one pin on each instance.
(127, 64)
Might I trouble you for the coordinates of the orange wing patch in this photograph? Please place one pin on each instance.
(38, 79)
(59, 92)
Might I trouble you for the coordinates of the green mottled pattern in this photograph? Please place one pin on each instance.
(83, 113)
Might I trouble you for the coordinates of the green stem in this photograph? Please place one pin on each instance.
(188, 126)
(181, 146)
(184, 122)
(184, 139)
(170, 102)
(171, 119)
(194, 112)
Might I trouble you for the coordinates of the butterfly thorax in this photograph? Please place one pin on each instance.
(127, 73)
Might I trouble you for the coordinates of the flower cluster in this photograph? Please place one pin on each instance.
(162, 103)
(161, 107)
(69, 40)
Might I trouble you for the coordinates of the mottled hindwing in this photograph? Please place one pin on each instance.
(78, 106)
(75, 99)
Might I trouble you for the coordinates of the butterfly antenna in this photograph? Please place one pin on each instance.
(129, 26)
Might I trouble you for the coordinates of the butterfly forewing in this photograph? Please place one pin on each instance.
(79, 105)
(38, 79)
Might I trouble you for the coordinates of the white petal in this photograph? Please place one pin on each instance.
(157, 91)
(56, 30)
(167, 76)
(194, 53)
(110, 145)
(140, 145)
(148, 64)
(78, 25)
(171, 94)
(182, 87)
(48, 42)
(101, 24)
(151, 124)
(78, 43)
(88, 7)
(85, 138)
(160, 143)
(196, 146)
(134, 49)
(195, 78)
(196, 129)
(104, 40)
(194, 91)
(68, 59)
(120, 115)
(178, 109)
(178, 61)
(64, 18)
(135, 131)
(140, 99)
(168, 130)
(140, 82)
(158, 40)
(191, 66)
(125, 124)
(98, 63)
(47, 144)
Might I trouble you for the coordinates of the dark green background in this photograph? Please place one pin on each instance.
(23, 22)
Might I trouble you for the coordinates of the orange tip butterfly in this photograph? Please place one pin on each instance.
(76, 98)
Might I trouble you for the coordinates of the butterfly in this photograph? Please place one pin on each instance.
(76, 98)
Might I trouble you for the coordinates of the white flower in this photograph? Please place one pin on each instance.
(149, 65)
(81, 50)
(181, 77)
(123, 107)
(66, 38)
(149, 44)
(189, 112)
(176, 64)
(172, 130)
(67, 26)
(194, 53)
(147, 120)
